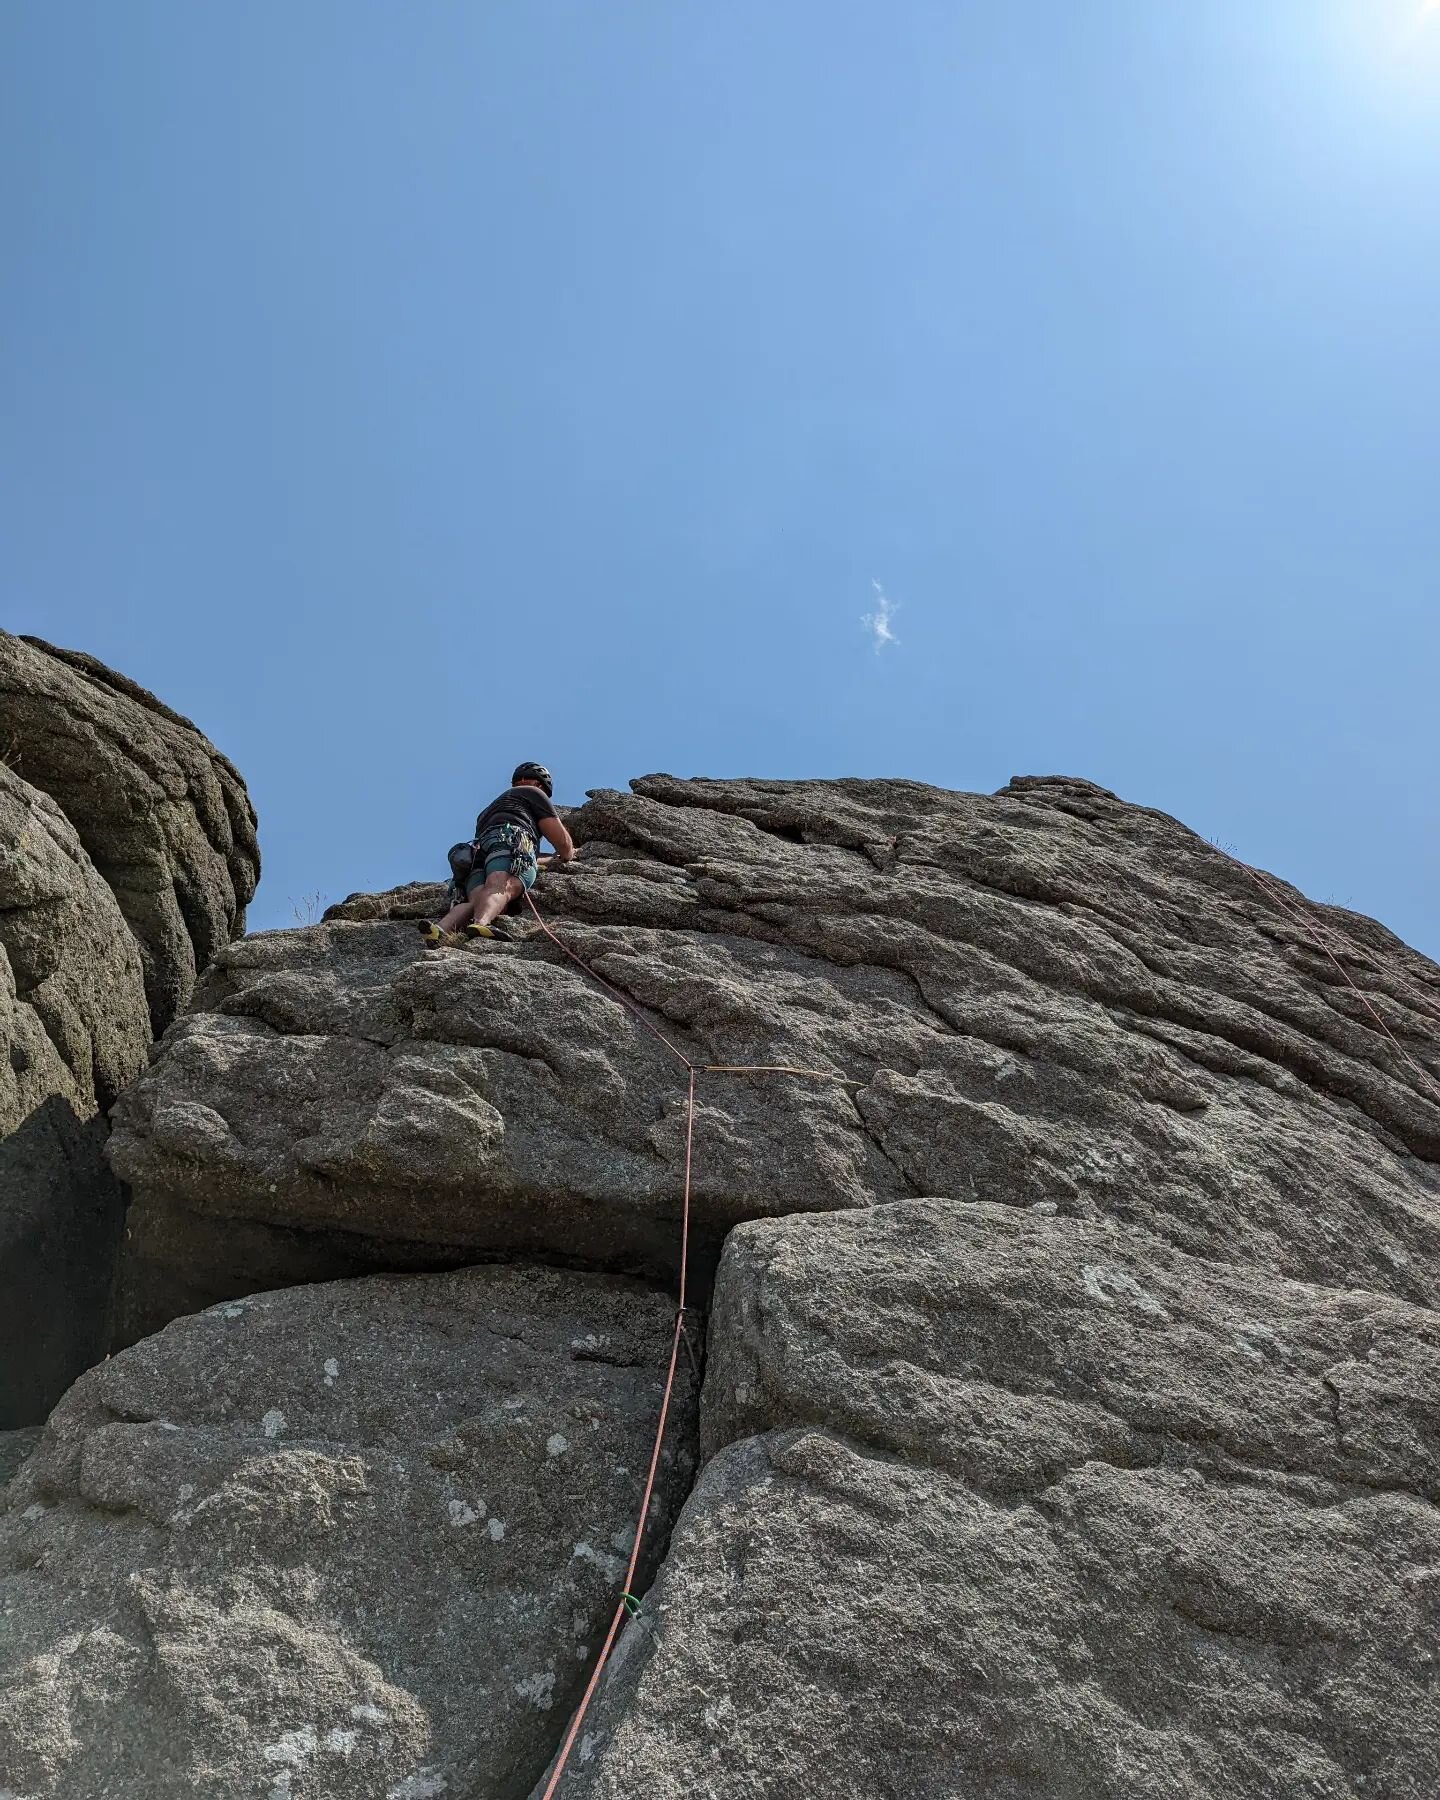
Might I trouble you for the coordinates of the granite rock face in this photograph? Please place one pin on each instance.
(355, 1540)
(73, 1032)
(165, 818)
(1069, 1421)
(1005, 1504)
(15, 1446)
(1043, 996)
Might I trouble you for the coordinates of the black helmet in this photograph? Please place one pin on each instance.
(535, 772)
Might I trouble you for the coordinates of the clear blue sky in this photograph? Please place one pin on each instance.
(404, 389)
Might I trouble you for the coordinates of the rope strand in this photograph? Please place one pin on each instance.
(1287, 906)
(627, 1602)
(630, 1005)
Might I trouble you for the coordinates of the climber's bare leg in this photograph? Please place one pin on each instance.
(492, 899)
(457, 916)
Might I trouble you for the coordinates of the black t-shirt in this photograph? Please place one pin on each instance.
(522, 806)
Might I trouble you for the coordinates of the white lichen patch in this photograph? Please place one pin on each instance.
(1107, 1284)
(332, 1371)
(496, 1528)
(293, 1748)
(719, 1714)
(538, 1689)
(611, 1566)
(424, 1784)
(462, 1513)
(273, 1423)
(555, 1445)
(340, 1740)
(369, 1714)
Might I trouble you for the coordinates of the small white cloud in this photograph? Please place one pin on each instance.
(877, 623)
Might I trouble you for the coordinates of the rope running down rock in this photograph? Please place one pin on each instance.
(627, 1603)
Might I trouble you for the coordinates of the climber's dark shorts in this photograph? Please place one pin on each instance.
(506, 850)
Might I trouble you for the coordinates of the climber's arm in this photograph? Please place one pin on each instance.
(555, 833)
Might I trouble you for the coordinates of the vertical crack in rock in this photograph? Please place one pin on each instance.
(1072, 1486)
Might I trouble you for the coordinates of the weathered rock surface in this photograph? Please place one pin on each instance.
(15, 1446)
(1007, 1504)
(165, 818)
(73, 1032)
(351, 1540)
(1039, 996)
(1112, 1470)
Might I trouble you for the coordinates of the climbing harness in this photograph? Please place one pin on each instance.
(628, 1604)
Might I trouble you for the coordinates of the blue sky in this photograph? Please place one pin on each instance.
(402, 390)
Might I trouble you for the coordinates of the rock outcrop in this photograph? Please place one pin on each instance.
(348, 1540)
(127, 854)
(74, 1031)
(15, 1446)
(165, 818)
(1069, 1420)
(1044, 996)
(998, 1503)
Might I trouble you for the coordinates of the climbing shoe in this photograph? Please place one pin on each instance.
(472, 930)
(431, 933)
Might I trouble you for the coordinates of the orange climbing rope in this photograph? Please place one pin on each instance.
(1279, 899)
(627, 1602)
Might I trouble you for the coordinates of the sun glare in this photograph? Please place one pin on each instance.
(1417, 24)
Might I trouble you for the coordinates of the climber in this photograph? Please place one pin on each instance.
(501, 863)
